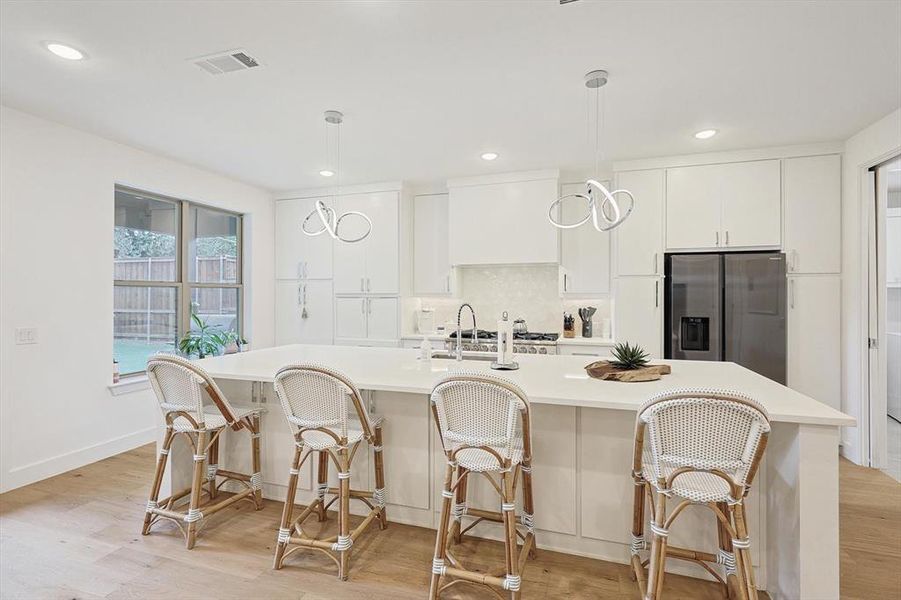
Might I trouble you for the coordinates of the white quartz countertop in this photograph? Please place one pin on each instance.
(559, 380)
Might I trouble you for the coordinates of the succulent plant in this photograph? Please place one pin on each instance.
(626, 356)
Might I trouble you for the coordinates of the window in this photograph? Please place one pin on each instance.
(171, 259)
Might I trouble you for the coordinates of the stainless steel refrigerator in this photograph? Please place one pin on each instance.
(727, 306)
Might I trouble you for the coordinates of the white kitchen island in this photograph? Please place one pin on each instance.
(582, 440)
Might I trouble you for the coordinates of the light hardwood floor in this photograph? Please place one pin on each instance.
(77, 535)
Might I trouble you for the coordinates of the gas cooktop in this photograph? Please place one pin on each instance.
(489, 336)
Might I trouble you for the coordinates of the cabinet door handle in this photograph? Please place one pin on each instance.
(369, 305)
(727, 237)
(368, 285)
(362, 284)
(565, 282)
(717, 238)
(447, 283)
(657, 294)
(363, 306)
(655, 263)
(791, 293)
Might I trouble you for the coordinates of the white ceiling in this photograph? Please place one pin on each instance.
(428, 86)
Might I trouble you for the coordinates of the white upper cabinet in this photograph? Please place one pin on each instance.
(432, 270)
(726, 206)
(503, 220)
(638, 242)
(813, 228)
(372, 265)
(299, 256)
(584, 251)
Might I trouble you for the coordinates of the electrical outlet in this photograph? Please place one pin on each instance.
(26, 335)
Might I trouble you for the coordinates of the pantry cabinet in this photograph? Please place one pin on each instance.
(291, 296)
(813, 211)
(373, 264)
(584, 251)
(299, 256)
(432, 271)
(638, 242)
(724, 206)
(638, 313)
(814, 337)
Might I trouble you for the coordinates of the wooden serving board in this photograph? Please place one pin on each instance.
(602, 369)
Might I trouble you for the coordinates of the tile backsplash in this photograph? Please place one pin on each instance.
(530, 292)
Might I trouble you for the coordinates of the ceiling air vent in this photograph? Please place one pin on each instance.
(226, 62)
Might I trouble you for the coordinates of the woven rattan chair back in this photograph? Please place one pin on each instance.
(705, 429)
(477, 409)
(314, 396)
(179, 386)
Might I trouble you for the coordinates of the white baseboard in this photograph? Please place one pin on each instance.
(36, 471)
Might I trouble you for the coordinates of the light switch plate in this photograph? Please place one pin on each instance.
(26, 335)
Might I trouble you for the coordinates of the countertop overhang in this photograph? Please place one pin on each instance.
(558, 380)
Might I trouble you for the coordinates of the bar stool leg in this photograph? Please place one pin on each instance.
(194, 515)
(744, 551)
(508, 508)
(158, 478)
(212, 465)
(285, 527)
(727, 554)
(658, 549)
(257, 477)
(528, 505)
(438, 566)
(344, 512)
(638, 542)
(322, 484)
(462, 480)
(380, 477)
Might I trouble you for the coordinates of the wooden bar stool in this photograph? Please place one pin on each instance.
(704, 448)
(179, 386)
(315, 401)
(485, 429)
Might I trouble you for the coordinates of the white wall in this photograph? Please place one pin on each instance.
(878, 142)
(56, 239)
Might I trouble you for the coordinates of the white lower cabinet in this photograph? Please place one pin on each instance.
(290, 298)
(583, 349)
(638, 313)
(814, 337)
(367, 320)
(405, 438)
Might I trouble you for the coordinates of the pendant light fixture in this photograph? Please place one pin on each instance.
(602, 206)
(328, 219)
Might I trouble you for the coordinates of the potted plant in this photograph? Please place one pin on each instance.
(203, 340)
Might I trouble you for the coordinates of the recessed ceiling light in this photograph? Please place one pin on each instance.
(64, 51)
(705, 134)
(326, 173)
(489, 156)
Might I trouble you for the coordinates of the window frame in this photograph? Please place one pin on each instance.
(183, 285)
